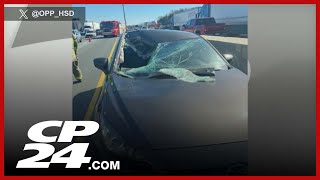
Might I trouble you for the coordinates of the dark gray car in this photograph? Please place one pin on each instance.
(172, 101)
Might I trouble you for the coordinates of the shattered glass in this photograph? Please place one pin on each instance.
(180, 56)
(189, 54)
(140, 46)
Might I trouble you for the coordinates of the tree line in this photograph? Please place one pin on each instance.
(168, 18)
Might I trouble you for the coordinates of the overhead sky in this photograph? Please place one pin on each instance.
(135, 13)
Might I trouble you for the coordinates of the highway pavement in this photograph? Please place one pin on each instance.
(92, 77)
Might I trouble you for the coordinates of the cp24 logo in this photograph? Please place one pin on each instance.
(45, 150)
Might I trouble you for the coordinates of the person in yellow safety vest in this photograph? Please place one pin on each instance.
(75, 63)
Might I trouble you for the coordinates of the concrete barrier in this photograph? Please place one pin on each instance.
(238, 47)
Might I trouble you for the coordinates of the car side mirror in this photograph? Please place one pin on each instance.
(102, 64)
(229, 57)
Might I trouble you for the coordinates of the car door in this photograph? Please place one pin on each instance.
(212, 26)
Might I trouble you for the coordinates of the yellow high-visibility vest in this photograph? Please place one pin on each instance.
(74, 57)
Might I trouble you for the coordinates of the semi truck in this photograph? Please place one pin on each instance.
(235, 17)
(182, 18)
(91, 25)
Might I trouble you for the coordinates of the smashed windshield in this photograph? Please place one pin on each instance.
(190, 54)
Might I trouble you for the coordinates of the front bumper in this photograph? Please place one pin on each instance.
(212, 157)
(208, 159)
(90, 35)
(107, 33)
(216, 159)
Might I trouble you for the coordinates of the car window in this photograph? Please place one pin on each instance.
(198, 22)
(192, 22)
(210, 21)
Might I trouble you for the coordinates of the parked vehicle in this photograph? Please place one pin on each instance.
(203, 26)
(99, 32)
(83, 33)
(91, 33)
(173, 102)
(182, 18)
(77, 34)
(91, 25)
(111, 28)
(235, 17)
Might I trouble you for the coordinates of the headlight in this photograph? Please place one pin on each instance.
(113, 141)
(116, 144)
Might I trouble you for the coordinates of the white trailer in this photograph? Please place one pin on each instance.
(235, 16)
(91, 25)
(181, 18)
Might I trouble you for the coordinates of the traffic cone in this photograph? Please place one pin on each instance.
(89, 38)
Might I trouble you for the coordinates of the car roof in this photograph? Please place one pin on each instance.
(160, 36)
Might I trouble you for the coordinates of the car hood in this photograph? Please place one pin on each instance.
(171, 113)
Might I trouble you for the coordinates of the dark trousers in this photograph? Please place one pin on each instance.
(76, 70)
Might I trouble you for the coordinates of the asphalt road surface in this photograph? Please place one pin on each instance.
(83, 92)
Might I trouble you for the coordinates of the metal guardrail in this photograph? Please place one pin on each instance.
(234, 40)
